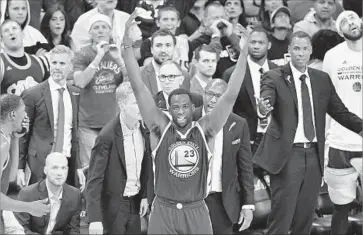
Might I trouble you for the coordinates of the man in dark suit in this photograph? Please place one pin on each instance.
(120, 171)
(171, 78)
(292, 150)
(65, 201)
(162, 48)
(231, 198)
(245, 106)
(52, 110)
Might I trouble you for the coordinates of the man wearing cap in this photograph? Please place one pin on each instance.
(320, 19)
(80, 36)
(344, 65)
(281, 26)
(97, 71)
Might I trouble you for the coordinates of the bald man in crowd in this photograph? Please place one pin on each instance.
(65, 200)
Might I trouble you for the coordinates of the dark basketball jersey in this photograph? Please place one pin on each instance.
(18, 78)
(181, 165)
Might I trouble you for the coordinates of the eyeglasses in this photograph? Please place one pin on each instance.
(170, 78)
(210, 95)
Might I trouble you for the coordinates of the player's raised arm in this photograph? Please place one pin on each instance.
(154, 119)
(216, 119)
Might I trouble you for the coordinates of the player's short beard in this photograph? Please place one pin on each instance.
(257, 58)
(354, 37)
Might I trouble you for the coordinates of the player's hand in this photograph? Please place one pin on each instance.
(143, 207)
(95, 228)
(20, 178)
(246, 216)
(102, 47)
(24, 129)
(243, 43)
(264, 106)
(39, 208)
(131, 23)
(115, 52)
(82, 179)
(239, 30)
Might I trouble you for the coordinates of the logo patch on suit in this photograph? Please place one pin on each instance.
(183, 159)
(357, 87)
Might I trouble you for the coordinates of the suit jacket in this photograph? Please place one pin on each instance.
(38, 142)
(195, 86)
(245, 105)
(68, 217)
(278, 87)
(237, 170)
(149, 77)
(160, 101)
(107, 173)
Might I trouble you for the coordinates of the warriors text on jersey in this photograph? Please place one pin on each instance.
(181, 165)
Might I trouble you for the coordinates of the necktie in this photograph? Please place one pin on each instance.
(307, 113)
(263, 121)
(60, 125)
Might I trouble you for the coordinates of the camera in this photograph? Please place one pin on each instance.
(221, 25)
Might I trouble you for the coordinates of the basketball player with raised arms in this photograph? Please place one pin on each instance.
(182, 149)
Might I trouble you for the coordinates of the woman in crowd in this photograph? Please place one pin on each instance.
(19, 11)
(322, 41)
(55, 26)
(235, 11)
(266, 9)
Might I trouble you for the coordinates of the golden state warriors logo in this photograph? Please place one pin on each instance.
(183, 159)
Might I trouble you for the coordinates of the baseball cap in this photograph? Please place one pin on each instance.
(277, 21)
(98, 17)
(341, 17)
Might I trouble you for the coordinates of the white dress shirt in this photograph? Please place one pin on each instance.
(54, 92)
(300, 134)
(256, 82)
(55, 203)
(216, 165)
(202, 83)
(134, 153)
(166, 97)
(157, 73)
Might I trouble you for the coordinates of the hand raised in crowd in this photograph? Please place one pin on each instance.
(264, 106)
(102, 47)
(239, 30)
(144, 205)
(222, 28)
(246, 216)
(95, 228)
(115, 52)
(39, 208)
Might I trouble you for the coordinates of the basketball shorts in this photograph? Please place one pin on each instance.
(341, 175)
(169, 217)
